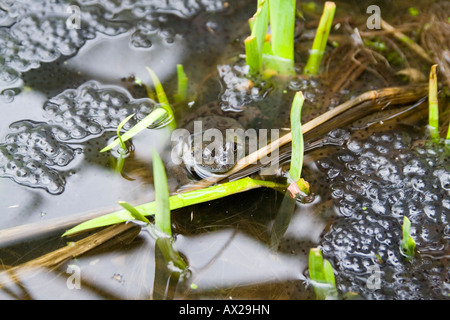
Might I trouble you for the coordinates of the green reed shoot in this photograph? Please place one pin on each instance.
(407, 244)
(297, 137)
(282, 25)
(320, 40)
(181, 94)
(274, 52)
(178, 201)
(162, 209)
(433, 107)
(162, 98)
(255, 42)
(252, 56)
(322, 275)
(163, 232)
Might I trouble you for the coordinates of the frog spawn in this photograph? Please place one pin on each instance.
(39, 31)
(35, 152)
(374, 183)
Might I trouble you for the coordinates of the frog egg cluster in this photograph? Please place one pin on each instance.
(38, 34)
(92, 108)
(374, 183)
(238, 90)
(30, 154)
(181, 8)
(34, 152)
(36, 31)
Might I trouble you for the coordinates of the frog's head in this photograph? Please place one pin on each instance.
(212, 157)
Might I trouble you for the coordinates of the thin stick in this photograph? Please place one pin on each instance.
(59, 256)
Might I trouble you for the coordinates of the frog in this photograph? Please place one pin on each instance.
(202, 155)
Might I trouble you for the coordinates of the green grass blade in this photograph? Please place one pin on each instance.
(134, 212)
(162, 210)
(152, 118)
(320, 40)
(433, 107)
(322, 275)
(258, 24)
(407, 244)
(252, 56)
(181, 94)
(282, 24)
(119, 127)
(297, 137)
(178, 201)
(162, 97)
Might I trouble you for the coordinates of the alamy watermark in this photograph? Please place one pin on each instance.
(374, 20)
(374, 280)
(74, 280)
(74, 19)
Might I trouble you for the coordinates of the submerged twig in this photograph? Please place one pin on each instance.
(76, 249)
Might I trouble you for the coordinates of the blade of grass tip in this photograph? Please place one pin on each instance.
(321, 274)
(134, 212)
(162, 98)
(181, 94)
(320, 40)
(151, 118)
(178, 201)
(119, 127)
(315, 267)
(258, 24)
(162, 210)
(433, 114)
(282, 24)
(408, 244)
(297, 137)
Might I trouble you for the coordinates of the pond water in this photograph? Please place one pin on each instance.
(64, 91)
